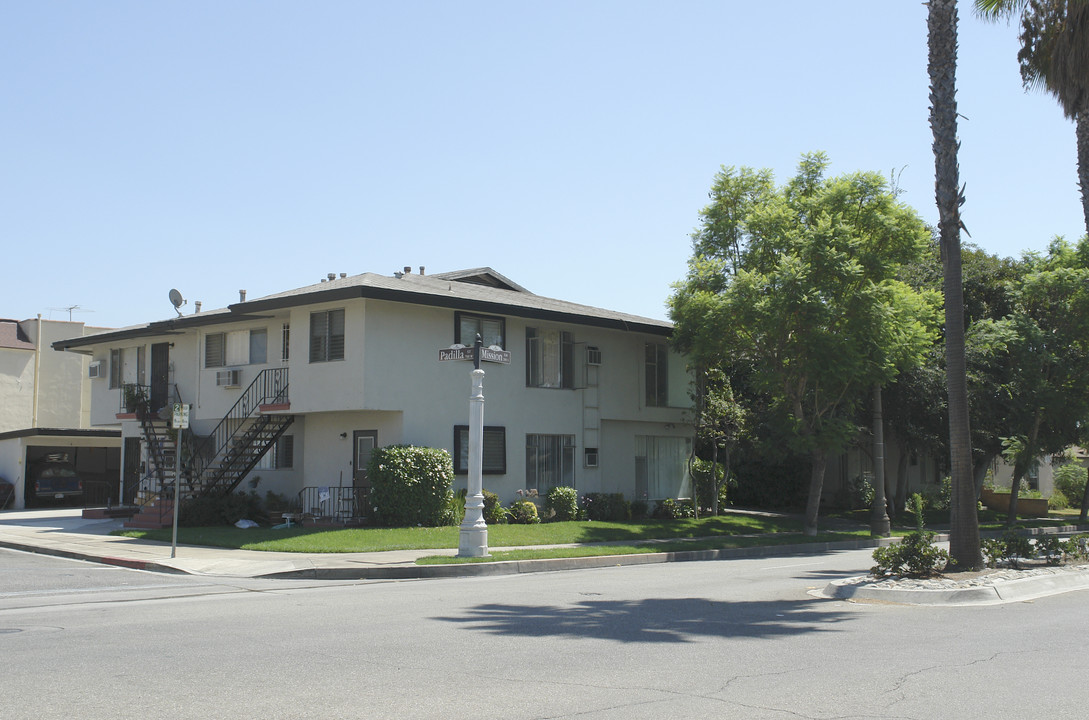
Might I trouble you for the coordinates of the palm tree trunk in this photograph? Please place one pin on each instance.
(964, 546)
(1081, 125)
(818, 462)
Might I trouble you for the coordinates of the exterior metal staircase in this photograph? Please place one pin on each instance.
(214, 464)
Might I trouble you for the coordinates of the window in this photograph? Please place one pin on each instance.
(327, 335)
(550, 462)
(281, 456)
(549, 358)
(661, 467)
(215, 350)
(115, 369)
(494, 461)
(657, 374)
(492, 330)
(258, 346)
(285, 342)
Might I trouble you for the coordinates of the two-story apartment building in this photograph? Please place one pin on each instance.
(314, 378)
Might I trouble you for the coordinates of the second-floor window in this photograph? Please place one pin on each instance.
(327, 335)
(549, 358)
(492, 330)
(657, 375)
(238, 347)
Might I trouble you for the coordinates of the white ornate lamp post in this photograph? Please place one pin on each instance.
(473, 537)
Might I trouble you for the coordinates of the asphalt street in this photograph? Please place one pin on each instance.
(737, 638)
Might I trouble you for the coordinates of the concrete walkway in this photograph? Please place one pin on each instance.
(66, 533)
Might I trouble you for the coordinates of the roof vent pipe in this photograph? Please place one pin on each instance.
(421, 269)
(196, 306)
(408, 269)
(332, 276)
(343, 275)
(241, 296)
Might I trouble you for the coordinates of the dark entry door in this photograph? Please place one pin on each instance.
(131, 475)
(363, 442)
(160, 375)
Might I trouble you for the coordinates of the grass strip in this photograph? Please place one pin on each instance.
(718, 543)
(342, 540)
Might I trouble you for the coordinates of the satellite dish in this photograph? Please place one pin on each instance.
(176, 300)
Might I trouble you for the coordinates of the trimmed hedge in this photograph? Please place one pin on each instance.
(411, 486)
(562, 503)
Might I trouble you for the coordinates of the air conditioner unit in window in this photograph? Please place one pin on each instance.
(96, 369)
(229, 378)
(590, 457)
(593, 355)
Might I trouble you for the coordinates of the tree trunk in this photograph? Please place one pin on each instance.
(1083, 517)
(879, 520)
(901, 479)
(964, 546)
(1081, 125)
(714, 478)
(1021, 466)
(1015, 493)
(980, 471)
(816, 484)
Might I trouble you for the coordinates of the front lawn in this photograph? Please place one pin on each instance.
(326, 540)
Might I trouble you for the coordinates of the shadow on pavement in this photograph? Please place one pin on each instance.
(654, 620)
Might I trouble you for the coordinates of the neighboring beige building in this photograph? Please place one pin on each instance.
(296, 388)
(45, 407)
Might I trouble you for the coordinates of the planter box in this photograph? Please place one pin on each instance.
(1026, 507)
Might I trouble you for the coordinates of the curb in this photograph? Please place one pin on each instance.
(131, 563)
(1009, 591)
(516, 567)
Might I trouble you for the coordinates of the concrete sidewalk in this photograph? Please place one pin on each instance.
(66, 533)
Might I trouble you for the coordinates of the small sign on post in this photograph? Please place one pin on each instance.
(180, 419)
(180, 422)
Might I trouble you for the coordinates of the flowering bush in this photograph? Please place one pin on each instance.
(524, 512)
(411, 486)
(562, 503)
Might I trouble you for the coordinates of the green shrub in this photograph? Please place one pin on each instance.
(606, 507)
(914, 556)
(494, 512)
(1011, 548)
(939, 496)
(562, 503)
(640, 510)
(1051, 548)
(457, 506)
(860, 491)
(220, 510)
(669, 509)
(702, 478)
(1070, 481)
(1057, 501)
(411, 486)
(524, 512)
(1077, 547)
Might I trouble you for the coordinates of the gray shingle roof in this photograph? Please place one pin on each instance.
(461, 290)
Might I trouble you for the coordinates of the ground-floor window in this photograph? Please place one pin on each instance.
(281, 456)
(661, 467)
(550, 462)
(494, 460)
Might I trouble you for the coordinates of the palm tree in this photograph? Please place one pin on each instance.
(1054, 56)
(964, 546)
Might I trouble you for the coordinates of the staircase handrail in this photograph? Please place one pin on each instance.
(268, 388)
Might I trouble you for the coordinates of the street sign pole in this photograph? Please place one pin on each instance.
(180, 421)
(473, 534)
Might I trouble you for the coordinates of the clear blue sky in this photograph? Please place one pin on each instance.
(213, 146)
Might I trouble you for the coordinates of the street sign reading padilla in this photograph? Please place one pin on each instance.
(469, 353)
(456, 353)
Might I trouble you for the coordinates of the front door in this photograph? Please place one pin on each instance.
(363, 442)
(160, 376)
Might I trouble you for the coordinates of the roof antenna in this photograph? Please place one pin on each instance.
(176, 300)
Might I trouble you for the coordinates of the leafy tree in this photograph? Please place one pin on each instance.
(719, 421)
(804, 294)
(1054, 56)
(964, 546)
